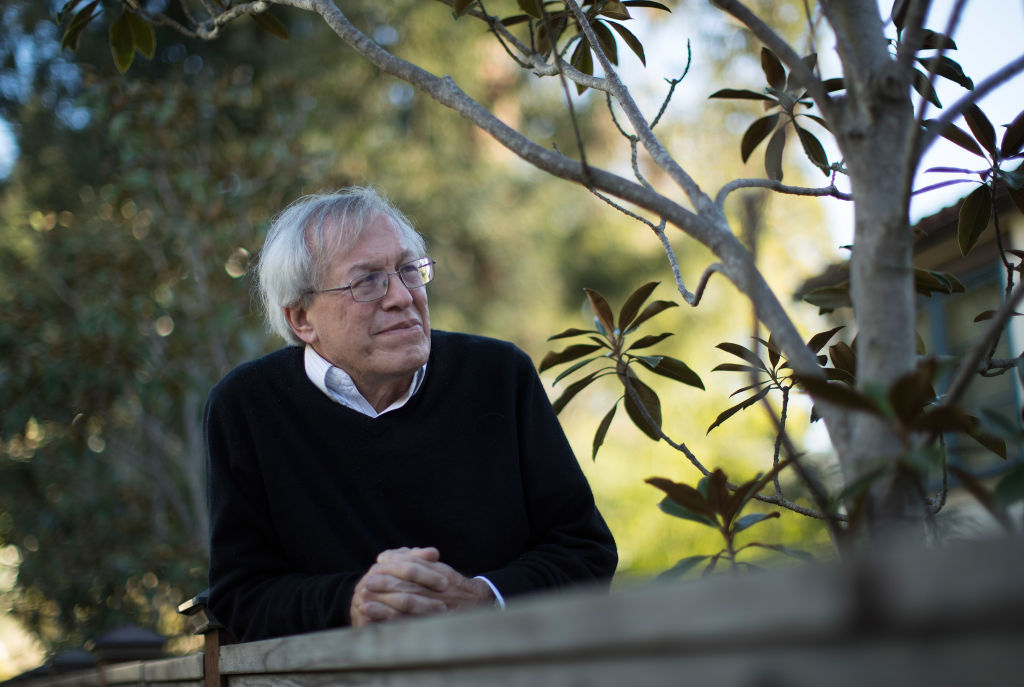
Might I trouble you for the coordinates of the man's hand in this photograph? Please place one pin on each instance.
(412, 582)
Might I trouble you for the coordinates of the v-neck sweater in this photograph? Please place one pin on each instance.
(304, 493)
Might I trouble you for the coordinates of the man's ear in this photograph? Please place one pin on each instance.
(298, 320)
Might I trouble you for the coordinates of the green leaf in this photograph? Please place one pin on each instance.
(741, 94)
(1013, 137)
(911, 392)
(756, 133)
(794, 83)
(840, 394)
(815, 118)
(843, 358)
(818, 341)
(933, 40)
(648, 341)
(602, 430)
(1010, 488)
(683, 496)
(601, 309)
(121, 45)
(992, 443)
(532, 8)
(899, 13)
(569, 353)
(582, 60)
(631, 40)
(271, 24)
(773, 70)
(925, 88)
(143, 36)
(681, 568)
(650, 402)
(982, 128)
(615, 9)
(571, 391)
(828, 298)
(632, 305)
(573, 368)
(974, 218)
(78, 22)
(947, 69)
(813, 149)
(646, 3)
(833, 85)
(572, 331)
(742, 352)
(750, 520)
(650, 311)
(955, 134)
(792, 553)
(773, 154)
(606, 40)
(677, 370)
(736, 367)
(742, 405)
(460, 7)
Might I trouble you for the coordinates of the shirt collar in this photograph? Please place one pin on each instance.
(343, 390)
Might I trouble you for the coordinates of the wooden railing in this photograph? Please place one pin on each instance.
(950, 617)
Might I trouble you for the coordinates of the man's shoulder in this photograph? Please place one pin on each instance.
(251, 374)
(460, 344)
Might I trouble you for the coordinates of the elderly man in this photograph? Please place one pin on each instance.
(375, 469)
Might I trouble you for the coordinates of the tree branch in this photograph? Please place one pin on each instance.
(778, 187)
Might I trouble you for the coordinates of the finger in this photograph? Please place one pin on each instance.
(411, 604)
(383, 583)
(427, 553)
(416, 571)
(377, 612)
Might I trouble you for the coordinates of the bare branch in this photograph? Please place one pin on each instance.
(779, 187)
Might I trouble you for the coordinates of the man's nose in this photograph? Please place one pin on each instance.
(399, 295)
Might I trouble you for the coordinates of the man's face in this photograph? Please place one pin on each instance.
(378, 343)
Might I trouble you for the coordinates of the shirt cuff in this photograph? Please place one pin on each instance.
(499, 600)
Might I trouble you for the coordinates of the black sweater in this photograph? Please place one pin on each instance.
(304, 493)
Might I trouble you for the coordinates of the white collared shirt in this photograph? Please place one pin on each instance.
(343, 390)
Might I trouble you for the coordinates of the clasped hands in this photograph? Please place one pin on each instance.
(412, 582)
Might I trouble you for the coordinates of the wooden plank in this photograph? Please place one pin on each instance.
(976, 661)
(911, 593)
(188, 668)
(123, 673)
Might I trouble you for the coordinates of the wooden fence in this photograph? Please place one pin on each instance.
(949, 617)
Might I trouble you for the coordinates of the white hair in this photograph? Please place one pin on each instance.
(303, 239)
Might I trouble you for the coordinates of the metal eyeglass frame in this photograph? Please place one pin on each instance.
(414, 266)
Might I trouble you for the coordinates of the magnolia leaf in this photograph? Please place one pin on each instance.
(813, 149)
(992, 443)
(815, 118)
(1013, 137)
(677, 370)
(736, 367)
(953, 133)
(271, 24)
(646, 3)
(571, 391)
(650, 402)
(569, 353)
(795, 83)
(532, 8)
(756, 133)
(78, 22)
(899, 13)
(843, 358)
(632, 305)
(742, 405)
(989, 314)
(773, 154)
(840, 394)
(911, 392)
(648, 341)
(752, 519)
(583, 61)
(742, 352)
(615, 9)
(925, 88)
(982, 128)
(601, 309)
(122, 46)
(681, 568)
(933, 40)
(792, 553)
(818, 341)
(606, 40)
(774, 72)
(978, 491)
(460, 7)
(651, 310)
(828, 298)
(974, 218)
(833, 85)
(685, 497)
(572, 331)
(742, 94)
(631, 40)
(573, 368)
(947, 69)
(143, 36)
(602, 430)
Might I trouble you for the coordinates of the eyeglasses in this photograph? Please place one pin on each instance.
(374, 286)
